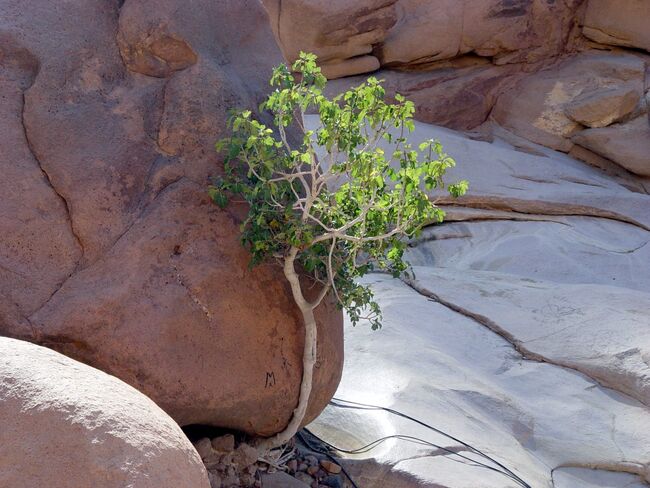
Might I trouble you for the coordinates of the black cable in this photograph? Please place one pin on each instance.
(372, 445)
(322, 451)
(363, 406)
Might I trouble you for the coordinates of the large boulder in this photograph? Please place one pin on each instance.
(110, 251)
(68, 425)
(618, 22)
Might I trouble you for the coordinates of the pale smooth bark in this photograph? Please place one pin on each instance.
(308, 356)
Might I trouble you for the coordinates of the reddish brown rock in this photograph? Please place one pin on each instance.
(110, 250)
(604, 107)
(626, 144)
(618, 22)
(535, 107)
(341, 33)
(38, 248)
(458, 95)
(520, 30)
(358, 37)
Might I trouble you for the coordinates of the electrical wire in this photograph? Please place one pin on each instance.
(367, 448)
(340, 403)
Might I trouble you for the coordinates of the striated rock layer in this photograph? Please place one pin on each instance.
(549, 71)
(110, 251)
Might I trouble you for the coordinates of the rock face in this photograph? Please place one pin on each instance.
(509, 31)
(618, 22)
(529, 65)
(604, 107)
(68, 425)
(524, 332)
(550, 106)
(341, 33)
(110, 251)
(626, 144)
(357, 37)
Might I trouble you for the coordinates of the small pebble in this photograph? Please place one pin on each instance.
(304, 477)
(303, 467)
(203, 447)
(311, 460)
(246, 455)
(292, 466)
(332, 482)
(330, 467)
(312, 470)
(225, 443)
(215, 480)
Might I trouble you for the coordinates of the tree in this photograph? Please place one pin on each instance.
(334, 205)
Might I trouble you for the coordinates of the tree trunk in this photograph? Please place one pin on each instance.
(308, 358)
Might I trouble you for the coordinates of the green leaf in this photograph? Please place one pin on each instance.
(376, 195)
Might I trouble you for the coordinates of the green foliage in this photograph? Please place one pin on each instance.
(343, 198)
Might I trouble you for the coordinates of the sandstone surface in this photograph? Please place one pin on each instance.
(68, 425)
(511, 31)
(524, 332)
(341, 33)
(626, 144)
(110, 251)
(604, 107)
(359, 37)
(618, 22)
(539, 108)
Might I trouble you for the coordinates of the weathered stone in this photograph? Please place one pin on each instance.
(68, 425)
(458, 95)
(224, 443)
(110, 251)
(204, 448)
(341, 33)
(626, 144)
(332, 481)
(158, 310)
(245, 455)
(359, 37)
(282, 480)
(618, 22)
(535, 107)
(604, 107)
(38, 246)
(428, 30)
(304, 478)
(215, 480)
(330, 467)
(155, 53)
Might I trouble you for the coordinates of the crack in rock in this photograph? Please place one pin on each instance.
(507, 336)
(46, 175)
(137, 219)
(537, 207)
